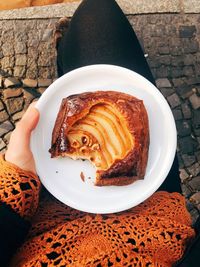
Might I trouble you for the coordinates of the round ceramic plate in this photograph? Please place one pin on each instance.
(61, 176)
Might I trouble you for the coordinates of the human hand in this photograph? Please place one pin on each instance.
(19, 152)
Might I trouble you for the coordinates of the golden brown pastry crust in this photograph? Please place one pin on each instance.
(74, 108)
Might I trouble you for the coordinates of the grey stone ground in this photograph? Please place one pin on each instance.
(171, 42)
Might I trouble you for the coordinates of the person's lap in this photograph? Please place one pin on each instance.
(99, 33)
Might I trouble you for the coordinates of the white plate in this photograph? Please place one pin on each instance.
(62, 178)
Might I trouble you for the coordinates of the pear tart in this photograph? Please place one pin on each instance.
(108, 128)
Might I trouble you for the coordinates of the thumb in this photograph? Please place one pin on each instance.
(26, 125)
(19, 151)
(30, 119)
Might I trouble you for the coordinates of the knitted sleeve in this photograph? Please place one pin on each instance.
(19, 189)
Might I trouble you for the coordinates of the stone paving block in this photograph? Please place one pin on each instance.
(183, 174)
(197, 154)
(7, 137)
(29, 83)
(7, 62)
(7, 48)
(195, 101)
(32, 73)
(194, 170)
(187, 31)
(45, 60)
(184, 91)
(2, 144)
(5, 127)
(14, 104)
(196, 131)
(195, 198)
(175, 51)
(33, 42)
(165, 60)
(12, 92)
(11, 82)
(33, 51)
(189, 59)
(163, 83)
(197, 73)
(41, 90)
(30, 94)
(186, 144)
(47, 35)
(164, 50)
(183, 127)
(20, 60)
(174, 100)
(167, 91)
(177, 114)
(43, 73)
(196, 118)
(20, 48)
(194, 81)
(188, 71)
(17, 116)
(21, 35)
(195, 183)
(1, 105)
(177, 61)
(190, 46)
(180, 161)
(3, 116)
(178, 82)
(186, 111)
(186, 191)
(162, 72)
(44, 82)
(188, 159)
(19, 71)
(176, 72)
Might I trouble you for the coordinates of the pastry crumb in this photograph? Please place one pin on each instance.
(82, 176)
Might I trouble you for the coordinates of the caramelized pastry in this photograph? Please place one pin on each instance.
(108, 128)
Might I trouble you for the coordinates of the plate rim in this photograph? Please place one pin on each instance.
(51, 89)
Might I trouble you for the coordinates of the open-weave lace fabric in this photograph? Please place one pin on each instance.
(19, 189)
(155, 233)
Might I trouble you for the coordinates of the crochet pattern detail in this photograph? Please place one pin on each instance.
(19, 189)
(155, 233)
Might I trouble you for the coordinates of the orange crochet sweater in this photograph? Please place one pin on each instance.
(155, 233)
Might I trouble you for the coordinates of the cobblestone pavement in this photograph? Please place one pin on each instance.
(171, 44)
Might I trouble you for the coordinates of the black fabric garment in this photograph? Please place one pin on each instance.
(99, 33)
(13, 230)
(192, 255)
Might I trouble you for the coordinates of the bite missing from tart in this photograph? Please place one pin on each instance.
(108, 128)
